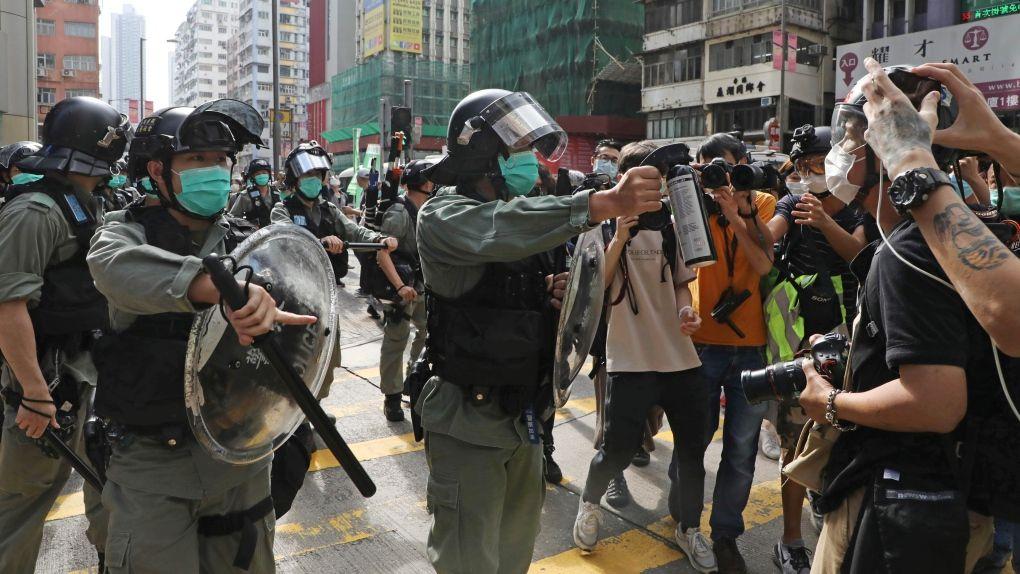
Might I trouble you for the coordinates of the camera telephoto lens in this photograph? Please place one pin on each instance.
(774, 382)
(748, 176)
(713, 176)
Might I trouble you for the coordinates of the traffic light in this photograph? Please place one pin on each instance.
(400, 120)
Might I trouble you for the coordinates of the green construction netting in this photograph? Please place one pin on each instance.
(373, 129)
(548, 49)
(355, 98)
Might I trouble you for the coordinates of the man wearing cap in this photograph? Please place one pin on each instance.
(491, 325)
(49, 313)
(400, 221)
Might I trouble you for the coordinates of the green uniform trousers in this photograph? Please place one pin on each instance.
(395, 335)
(486, 505)
(30, 482)
(156, 534)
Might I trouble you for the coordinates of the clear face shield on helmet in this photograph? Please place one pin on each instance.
(522, 123)
(302, 163)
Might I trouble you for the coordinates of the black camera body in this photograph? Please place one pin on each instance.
(728, 303)
(653, 220)
(714, 174)
(757, 175)
(786, 380)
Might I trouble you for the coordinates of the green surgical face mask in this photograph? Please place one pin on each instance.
(262, 179)
(118, 181)
(25, 178)
(146, 184)
(520, 171)
(204, 190)
(310, 187)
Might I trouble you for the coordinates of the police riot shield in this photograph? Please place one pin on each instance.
(238, 407)
(581, 311)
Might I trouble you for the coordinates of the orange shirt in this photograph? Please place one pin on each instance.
(713, 280)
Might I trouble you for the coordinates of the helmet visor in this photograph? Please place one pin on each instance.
(303, 163)
(521, 123)
(19, 149)
(848, 126)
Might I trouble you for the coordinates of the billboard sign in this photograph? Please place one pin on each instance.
(373, 35)
(986, 52)
(406, 26)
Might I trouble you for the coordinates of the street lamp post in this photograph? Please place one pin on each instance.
(276, 86)
(141, 77)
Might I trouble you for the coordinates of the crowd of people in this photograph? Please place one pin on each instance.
(887, 232)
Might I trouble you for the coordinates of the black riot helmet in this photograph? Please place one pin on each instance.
(80, 135)
(414, 174)
(807, 140)
(488, 124)
(305, 158)
(255, 166)
(220, 125)
(849, 122)
(12, 154)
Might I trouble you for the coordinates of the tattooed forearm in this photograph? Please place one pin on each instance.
(897, 131)
(975, 246)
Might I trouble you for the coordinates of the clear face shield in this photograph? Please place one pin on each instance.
(303, 163)
(521, 123)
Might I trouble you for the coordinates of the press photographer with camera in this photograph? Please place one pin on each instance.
(732, 334)
(903, 472)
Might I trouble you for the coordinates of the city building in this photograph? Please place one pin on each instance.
(581, 67)
(127, 37)
(18, 69)
(332, 46)
(250, 63)
(67, 52)
(426, 42)
(198, 62)
(716, 66)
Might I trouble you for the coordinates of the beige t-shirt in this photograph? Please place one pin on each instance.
(651, 340)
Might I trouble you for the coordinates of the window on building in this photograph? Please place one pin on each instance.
(44, 27)
(46, 96)
(724, 6)
(681, 64)
(666, 14)
(681, 123)
(879, 11)
(263, 33)
(744, 51)
(46, 60)
(80, 29)
(263, 68)
(82, 63)
(81, 93)
(920, 7)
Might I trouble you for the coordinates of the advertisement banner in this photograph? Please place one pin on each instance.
(986, 53)
(406, 26)
(353, 189)
(791, 52)
(373, 37)
(971, 10)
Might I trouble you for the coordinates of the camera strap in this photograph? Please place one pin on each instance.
(730, 251)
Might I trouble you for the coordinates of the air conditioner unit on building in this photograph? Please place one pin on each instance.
(40, 71)
(68, 73)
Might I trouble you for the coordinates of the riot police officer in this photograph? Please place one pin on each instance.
(49, 312)
(306, 167)
(114, 193)
(10, 155)
(402, 269)
(173, 507)
(491, 328)
(255, 203)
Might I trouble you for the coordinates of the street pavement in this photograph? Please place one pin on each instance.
(331, 528)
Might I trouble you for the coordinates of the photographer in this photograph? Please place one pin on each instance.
(606, 158)
(734, 339)
(895, 488)
(648, 290)
(818, 234)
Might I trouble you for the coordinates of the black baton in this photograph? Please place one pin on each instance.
(236, 298)
(365, 246)
(13, 398)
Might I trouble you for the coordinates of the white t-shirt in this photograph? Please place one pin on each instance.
(651, 340)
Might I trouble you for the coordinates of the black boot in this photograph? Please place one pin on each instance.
(641, 457)
(618, 495)
(375, 315)
(392, 408)
(102, 563)
(553, 474)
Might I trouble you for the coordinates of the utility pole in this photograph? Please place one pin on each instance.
(276, 86)
(141, 78)
(781, 107)
(409, 104)
(384, 109)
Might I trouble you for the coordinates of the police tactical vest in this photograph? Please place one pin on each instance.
(141, 370)
(259, 213)
(327, 223)
(70, 305)
(499, 335)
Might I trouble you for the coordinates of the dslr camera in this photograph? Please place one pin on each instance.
(786, 380)
(757, 175)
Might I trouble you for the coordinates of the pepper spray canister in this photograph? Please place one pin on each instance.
(690, 219)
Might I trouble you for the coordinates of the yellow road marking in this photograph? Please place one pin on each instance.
(368, 450)
(667, 435)
(635, 550)
(67, 505)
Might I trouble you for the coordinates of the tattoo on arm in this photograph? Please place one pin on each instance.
(976, 247)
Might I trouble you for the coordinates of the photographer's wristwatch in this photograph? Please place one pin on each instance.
(913, 187)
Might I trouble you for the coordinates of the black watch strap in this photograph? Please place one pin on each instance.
(912, 188)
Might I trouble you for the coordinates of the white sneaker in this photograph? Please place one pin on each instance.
(698, 550)
(586, 526)
(768, 440)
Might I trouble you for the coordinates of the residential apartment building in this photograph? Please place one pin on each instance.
(250, 62)
(332, 45)
(715, 65)
(198, 64)
(124, 66)
(67, 52)
(18, 69)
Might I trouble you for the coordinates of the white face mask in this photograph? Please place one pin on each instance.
(838, 163)
(815, 183)
(797, 187)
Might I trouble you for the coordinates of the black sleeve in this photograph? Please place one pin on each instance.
(786, 206)
(925, 322)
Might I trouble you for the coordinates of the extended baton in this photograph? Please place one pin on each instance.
(362, 246)
(14, 399)
(270, 347)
